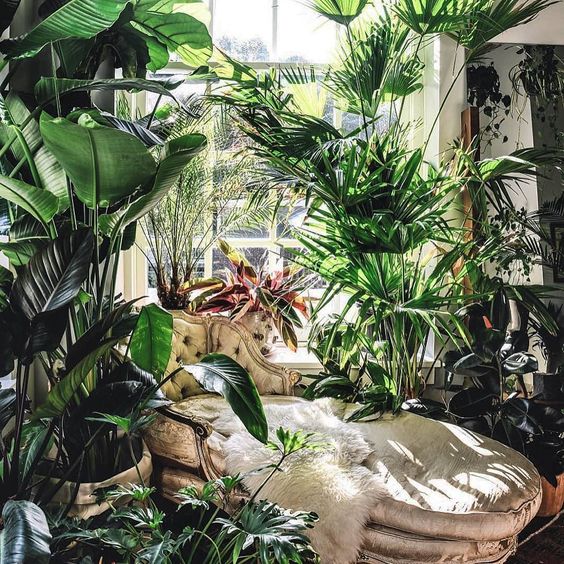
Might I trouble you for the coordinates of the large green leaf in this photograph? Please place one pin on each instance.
(78, 19)
(220, 374)
(52, 278)
(178, 153)
(63, 392)
(41, 204)
(151, 341)
(104, 164)
(180, 32)
(48, 88)
(25, 537)
(49, 172)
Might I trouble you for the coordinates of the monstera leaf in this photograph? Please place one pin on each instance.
(220, 374)
(105, 165)
(25, 536)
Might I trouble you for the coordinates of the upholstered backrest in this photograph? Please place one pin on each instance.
(195, 336)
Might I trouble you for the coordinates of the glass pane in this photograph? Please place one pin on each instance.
(303, 35)
(257, 256)
(183, 92)
(243, 28)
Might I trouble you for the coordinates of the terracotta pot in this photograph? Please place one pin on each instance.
(552, 497)
(261, 327)
(84, 505)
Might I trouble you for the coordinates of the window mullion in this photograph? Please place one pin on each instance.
(275, 4)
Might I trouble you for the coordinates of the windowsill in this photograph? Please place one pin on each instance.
(301, 360)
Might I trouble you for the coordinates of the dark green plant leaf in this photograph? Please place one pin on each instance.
(104, 164)
(520, 363)
(7, 406)
(98, 333)
(472, 403)
(52, 278)
(222, 375)
(48, 88)
(177, 154)
(341, 11)
(63, 392)
(77, 19)
(522, 414)
(180, 32)
(505, 432)
(7, 11)
(151, 341)
(25, 537)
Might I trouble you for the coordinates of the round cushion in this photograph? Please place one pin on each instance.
(447, 482)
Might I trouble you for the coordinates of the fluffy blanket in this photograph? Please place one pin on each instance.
(332, 482)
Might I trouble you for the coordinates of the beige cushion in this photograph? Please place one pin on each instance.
(447, 482)
(444, 482)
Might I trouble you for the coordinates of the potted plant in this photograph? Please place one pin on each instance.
(380, 224)
(258, 299)
(548, 386)
(494, 408)
(211, 200)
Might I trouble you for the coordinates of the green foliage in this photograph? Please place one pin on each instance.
(220, 374)
(151, 340)
(25, 535)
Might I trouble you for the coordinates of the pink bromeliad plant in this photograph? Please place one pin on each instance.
(248, 290)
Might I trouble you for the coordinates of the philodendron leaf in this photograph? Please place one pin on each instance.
(25, 536)
(151, 341)
(220, 374)
(105, 165)
(77, 18)
(520, 363)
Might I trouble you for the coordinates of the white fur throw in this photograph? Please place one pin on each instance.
(332, 482)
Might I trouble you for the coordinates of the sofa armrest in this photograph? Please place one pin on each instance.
(181, 441)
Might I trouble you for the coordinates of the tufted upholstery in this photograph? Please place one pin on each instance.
(196, 336)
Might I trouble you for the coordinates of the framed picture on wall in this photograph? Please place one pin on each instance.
(557, 236)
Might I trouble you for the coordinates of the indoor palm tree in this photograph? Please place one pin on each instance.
(383, 225)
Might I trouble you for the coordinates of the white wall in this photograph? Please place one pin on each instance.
(547, 28)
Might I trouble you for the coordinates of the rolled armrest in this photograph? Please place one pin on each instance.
(181, 441)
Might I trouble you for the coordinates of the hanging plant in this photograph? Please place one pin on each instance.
(540, 75)
(484, 92)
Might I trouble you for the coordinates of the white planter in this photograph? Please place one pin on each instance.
(261, 327)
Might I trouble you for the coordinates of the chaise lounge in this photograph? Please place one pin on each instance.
(450, 495)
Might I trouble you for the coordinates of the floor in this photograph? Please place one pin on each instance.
(546, 547)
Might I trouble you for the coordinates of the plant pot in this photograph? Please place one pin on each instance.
(552, 497)
(84, 504)
(547, 386)
(261, 327)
